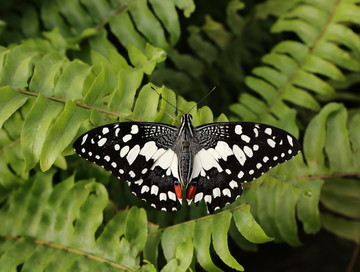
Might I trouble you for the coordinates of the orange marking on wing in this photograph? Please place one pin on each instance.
(191, 192)
(178, 191)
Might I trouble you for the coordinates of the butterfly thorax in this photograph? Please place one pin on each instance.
(185, 149)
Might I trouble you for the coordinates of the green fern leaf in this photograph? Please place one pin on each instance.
(294, 68)
(62, 221)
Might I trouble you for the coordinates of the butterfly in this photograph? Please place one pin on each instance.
(208, 162)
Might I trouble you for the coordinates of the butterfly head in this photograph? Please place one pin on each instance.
(186, 118)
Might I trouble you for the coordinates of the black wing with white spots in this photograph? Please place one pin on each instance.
(138, 153)
(233, 153)
(210, 162)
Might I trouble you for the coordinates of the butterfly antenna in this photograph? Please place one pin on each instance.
(167, 101)
(172, 117)
(202, 99)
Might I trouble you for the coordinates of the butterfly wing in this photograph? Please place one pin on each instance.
(139, 153)
(232, 153)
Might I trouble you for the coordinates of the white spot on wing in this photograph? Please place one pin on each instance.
(208, 162)
(223, 149)
(271, 142)
(216, 192)
(214, 153)
(290, 140)
(158, 153)
(238, 129)
(124, 151)
(133, 153)
(174, 166)
(198, 197)
(248, 151)
(171, 195)
(154, 190)
(162, 197)
(134, 129)
(84, 139)
(164, 161)
(139, 182)
(245, 138)
(239, 154)
(102, 141)
(105, 130)
(226, 192)
(148, 150)
(268, 131)
(107, 158)
(127, 138)
(233, 184)
(208, 198)
(117, 132)
(144, 189)
(117, 147)
(241, 174)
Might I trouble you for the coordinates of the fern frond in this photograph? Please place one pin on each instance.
(336, 161)
(42, 222)
(298, 71)
(54, 117)
(67, 220)
(132, 22)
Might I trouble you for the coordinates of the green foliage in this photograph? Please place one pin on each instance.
(67, 66)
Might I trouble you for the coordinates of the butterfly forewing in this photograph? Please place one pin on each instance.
(231, 153)
(138, 153)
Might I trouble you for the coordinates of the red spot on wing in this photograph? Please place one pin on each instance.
(191, 192)
(178, 192)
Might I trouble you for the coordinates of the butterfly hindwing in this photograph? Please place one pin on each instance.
(138, 153)
(231, 153)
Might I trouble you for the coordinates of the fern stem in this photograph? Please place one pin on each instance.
(239, 207)
(70, 250)
(329, 176)
(118, 10)
(61, 100)
(353, 257)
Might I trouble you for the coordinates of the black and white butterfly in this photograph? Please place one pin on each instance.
(209, 162)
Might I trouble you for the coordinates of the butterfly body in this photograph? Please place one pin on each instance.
(210, 162)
